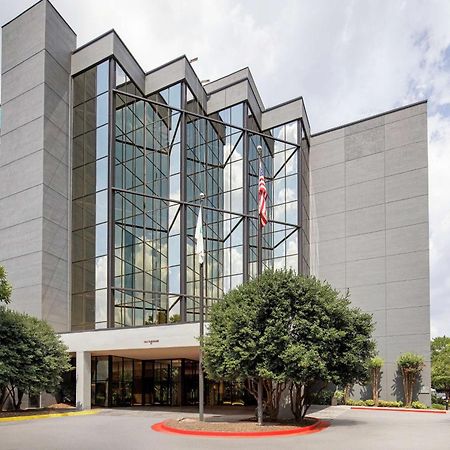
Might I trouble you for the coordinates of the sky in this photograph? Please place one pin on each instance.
(348, 59)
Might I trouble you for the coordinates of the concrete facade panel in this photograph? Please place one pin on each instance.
(364, 143)
(22, 141)
(365, 272)
(363, 195)
(408, 320)
(55, 176)
(60, 39)
(55, 308)
(369, 297)
(364, 169)
(365, 220)
(406, 131)
(97, 51)
(327, 153)
(327, 178)
(332, 135)
(329, 252)
(406, 158)
(22, 238)
(23, 77)
(23, 37)
(282, 114)
(364, 246)
(407, 239)
(404, 113)
(414, 342)
(21, 207)
(55, 239)
(407, 212)
(30, 169)
(379, 318)
(52, 202)
(407, 266)
(364, 125)
(56, 142)
(24, 271)
(328, 227)
(407, 185)
(402, 294)
(27, 299)
(22, 109)
(56, 109)
(57, 77)
(326, 203)
(333, 274)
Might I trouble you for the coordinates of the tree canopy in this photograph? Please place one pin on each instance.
(440, 364)
(288, 328)
(32, 356)
(5, 287)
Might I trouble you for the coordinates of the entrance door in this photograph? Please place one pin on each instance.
(162, 383)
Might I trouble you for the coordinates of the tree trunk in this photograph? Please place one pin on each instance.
(376, 378)
(3, 397)
(19, 398)
(347, 389)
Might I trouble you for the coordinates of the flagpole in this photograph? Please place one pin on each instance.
(201, 379)
(259, 272)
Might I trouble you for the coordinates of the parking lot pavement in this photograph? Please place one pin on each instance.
(131, 429)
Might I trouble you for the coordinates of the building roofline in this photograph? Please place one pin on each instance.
(168, 63)
(226, 76)
(106, 33)
(390, 111)
(32, 6)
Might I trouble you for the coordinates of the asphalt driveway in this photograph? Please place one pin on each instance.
(130, 429)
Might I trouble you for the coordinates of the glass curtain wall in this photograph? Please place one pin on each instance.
(165, 152)
(90, 198)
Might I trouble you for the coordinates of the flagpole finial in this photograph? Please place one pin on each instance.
(202, 195)
(259, 149)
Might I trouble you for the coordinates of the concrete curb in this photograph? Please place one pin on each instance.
(49, 416)
(381, 408)
(319, 425)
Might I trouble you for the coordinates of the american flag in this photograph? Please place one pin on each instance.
(262, 195)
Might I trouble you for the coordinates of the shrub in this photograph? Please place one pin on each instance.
(436, 399)
(339, 396)
(438, 406)
(322, 398)
(392, 404)
(419, 405)
(351, 402)
(369, 403)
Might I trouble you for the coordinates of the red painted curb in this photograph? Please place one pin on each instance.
(381, 408)
(319, 425)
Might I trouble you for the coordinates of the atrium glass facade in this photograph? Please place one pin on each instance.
(139, 166)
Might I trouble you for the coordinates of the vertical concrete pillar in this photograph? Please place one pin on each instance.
(83, 371)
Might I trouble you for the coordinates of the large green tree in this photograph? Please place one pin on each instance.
(440, 364)
(288, 330)
(32, 356)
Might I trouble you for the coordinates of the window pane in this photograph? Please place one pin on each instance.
(101, 207)
(102, 109)
(102, 77)
(101, 271)
(101, 174)
(101, 239)
(102, 142)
